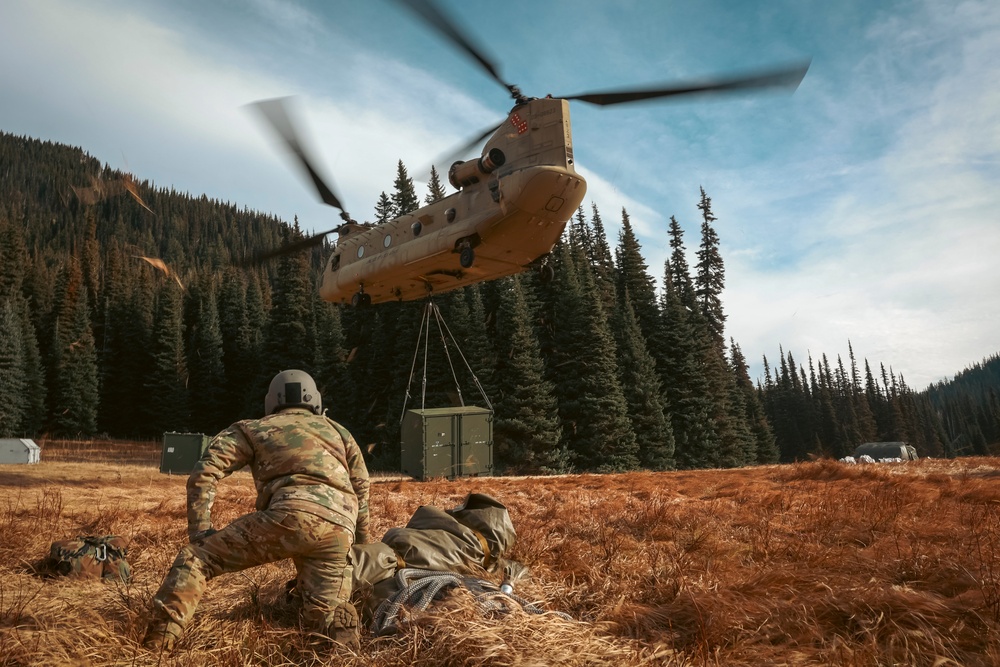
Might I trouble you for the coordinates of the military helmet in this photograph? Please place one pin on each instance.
(292, 389)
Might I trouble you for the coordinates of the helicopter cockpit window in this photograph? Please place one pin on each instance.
(387, 241)
(361, 251)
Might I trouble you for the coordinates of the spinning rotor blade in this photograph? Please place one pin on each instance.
(783, 78)
(448, 158)
(434, 17)
(275, 113)
(295, 246)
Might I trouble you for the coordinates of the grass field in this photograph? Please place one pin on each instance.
(816, 563)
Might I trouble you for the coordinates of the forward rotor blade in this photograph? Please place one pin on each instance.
(295, 246)
(275, 112)
(434, 17)
(783, 78)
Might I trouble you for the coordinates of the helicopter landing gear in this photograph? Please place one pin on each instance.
(546, 274)
(360, 299)
(466, 255)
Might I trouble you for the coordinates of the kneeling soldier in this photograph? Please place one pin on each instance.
(312, 504)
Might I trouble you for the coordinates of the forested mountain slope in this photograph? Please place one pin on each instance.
(123, 311)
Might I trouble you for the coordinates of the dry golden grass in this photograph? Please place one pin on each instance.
(809, 564)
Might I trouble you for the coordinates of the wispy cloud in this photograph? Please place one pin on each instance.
(863, 207)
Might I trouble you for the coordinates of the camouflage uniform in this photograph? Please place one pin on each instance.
(312, 503)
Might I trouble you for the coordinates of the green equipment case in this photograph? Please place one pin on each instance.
(447, 442)
(181, 451)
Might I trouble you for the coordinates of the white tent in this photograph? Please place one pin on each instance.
(19, 450)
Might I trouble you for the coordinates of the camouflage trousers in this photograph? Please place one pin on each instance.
(320, 550)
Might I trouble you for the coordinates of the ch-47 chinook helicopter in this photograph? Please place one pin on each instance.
(511, 205)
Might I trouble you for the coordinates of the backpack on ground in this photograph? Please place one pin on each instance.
(89, 557)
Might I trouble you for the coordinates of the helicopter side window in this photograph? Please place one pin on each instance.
(361, 251)
(387, 241)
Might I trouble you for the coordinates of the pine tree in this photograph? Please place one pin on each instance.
(12, 375)
(384, 211)
(765, 446)
(258, 300)
(639, 381)
(13, 258)
(165, 390)
(376, 367)
(30, 405)
(237, 353)
(602, 261)
(592, 406)
(711, 276)
(435, 190)
(678, 271)
(74, 363)
(733, 444)
(685, 386)
(126, 360)
(633, 277)
(478, 349)
(332, 374)
(290, 335)
(526, 427)
(404, 196)
(76, 389)
(866, 420)
(34, 407)
(206, 368)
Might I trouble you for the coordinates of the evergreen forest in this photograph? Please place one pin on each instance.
(125, 313)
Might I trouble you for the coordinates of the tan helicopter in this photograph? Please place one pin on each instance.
(512, 203)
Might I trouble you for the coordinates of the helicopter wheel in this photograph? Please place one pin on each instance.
(361, 299)
(466, 256)
(546, 273)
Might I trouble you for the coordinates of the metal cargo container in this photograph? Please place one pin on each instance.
(181, 451)
(447, 442)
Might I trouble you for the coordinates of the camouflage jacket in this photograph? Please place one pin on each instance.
(300, 461)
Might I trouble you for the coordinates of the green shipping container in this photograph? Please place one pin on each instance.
(181, 451)
(447, 442)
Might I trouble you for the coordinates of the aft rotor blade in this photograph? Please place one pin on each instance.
(434, 17)
(275, 112)
(783, 78)
(454, 154)
(295, 246)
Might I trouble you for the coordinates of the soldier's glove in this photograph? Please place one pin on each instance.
(202, 534)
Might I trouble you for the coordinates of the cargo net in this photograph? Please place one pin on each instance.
(419, 588)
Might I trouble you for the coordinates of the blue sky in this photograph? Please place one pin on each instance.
(863, 207)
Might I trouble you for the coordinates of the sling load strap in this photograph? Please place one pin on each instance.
(424, 333)
(488, 559)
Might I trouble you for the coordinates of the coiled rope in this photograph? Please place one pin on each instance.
(419, 588)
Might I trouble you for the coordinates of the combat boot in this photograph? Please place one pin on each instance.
(161, 636)
(343, 629)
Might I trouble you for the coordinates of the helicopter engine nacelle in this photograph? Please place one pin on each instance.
(464, 174)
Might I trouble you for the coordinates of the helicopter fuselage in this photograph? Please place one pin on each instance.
(511, 209)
